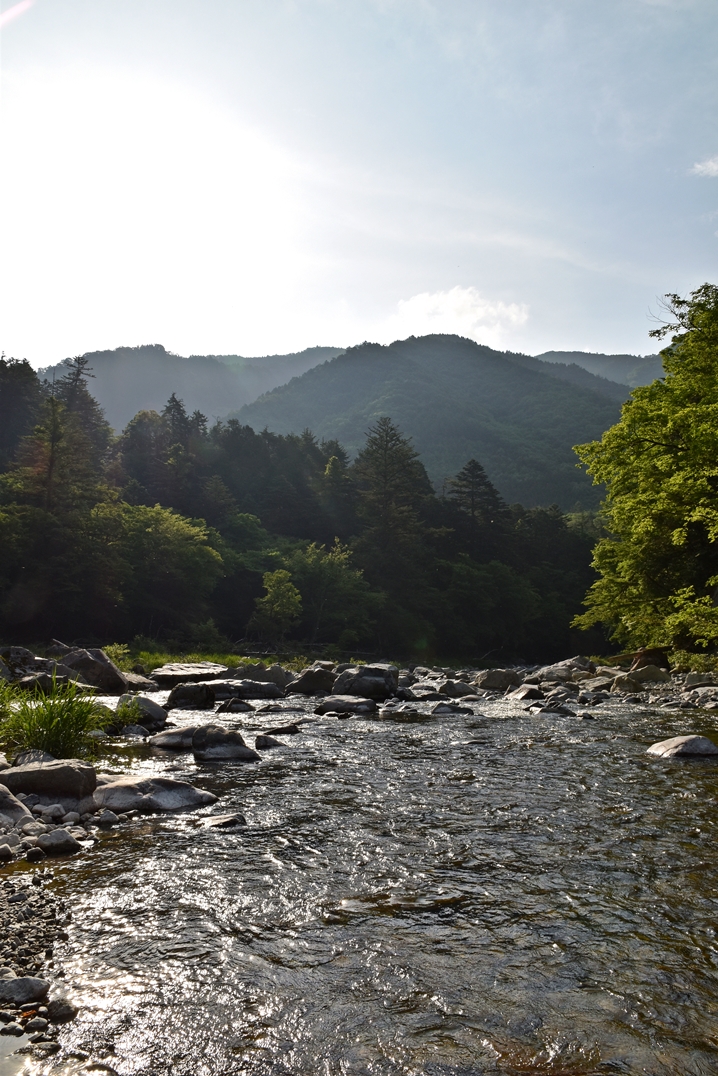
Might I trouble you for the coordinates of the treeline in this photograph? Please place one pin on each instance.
(191, 535)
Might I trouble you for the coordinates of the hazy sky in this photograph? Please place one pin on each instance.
(255, 176)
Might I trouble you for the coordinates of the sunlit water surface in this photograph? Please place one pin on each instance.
(497, 893)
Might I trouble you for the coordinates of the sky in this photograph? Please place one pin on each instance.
(260, 176)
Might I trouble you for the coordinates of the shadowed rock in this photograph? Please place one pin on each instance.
(212, 743)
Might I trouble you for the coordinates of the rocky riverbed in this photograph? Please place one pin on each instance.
(344, 899)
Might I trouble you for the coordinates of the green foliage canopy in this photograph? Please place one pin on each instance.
(658, 567)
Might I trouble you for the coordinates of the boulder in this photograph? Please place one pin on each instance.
(249, 689)
(58, 843)
(149, 795)
(598, 683)
(263, 743)
(136, 731)
(191, 696)
(12, 811)
(60, 1010)
(19, 990)
(155, 714)
(138, 682)
(684, 747)
(97, 669)
(174, 739)
(234, 706)
(345, 704)
(177, 672)
(313, 680)
(212, 743)
(284, 730)
(649, 673)
(698, 679)
(33, 754)
(455, 689)
(526, 691)
(368, 681)
(63, 779)
(625, 683)
(564, 670)
(257, 671)
(4, 764)
(497, 679)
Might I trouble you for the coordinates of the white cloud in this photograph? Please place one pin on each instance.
(706, 168)
(464, 311)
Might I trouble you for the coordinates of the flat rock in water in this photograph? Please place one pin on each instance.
(22, 989)
(284, 730)
(247, 689)
(62, 779)
(224, 821)
(345, 704)
(212, 743)
(149, 795)
(684, 746)
(176, 672)
(174, 739)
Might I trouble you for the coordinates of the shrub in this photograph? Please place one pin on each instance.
(58, 722)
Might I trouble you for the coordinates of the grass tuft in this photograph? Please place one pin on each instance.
(57, 722)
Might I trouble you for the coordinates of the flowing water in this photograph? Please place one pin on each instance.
(496, 893)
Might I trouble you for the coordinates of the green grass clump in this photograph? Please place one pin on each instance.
(57, 722)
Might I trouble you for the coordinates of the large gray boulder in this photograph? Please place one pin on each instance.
(684, 747)
(313, 680)
(345, 704)
(20, 990)
(212, 743)
(153, 716)
(12, 811)
(247, 689)
(650, 674)
(191, 696)
(97, 669)
(455, 689)
(174, 739)
(58, 843)
(67, 778)
(148, 795)
(177, 672)
(497, 679)
(368, 681)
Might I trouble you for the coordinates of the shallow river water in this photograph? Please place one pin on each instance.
(497, 893)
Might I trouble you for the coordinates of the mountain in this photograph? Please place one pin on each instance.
(132, 379)
(517, 415)
(630, 370)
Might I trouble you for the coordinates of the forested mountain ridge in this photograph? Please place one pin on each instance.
(130, 379)
(631, 370)
(173, 530)
(456, 399)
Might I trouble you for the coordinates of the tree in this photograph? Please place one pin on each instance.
(20, 398)
(337, 604)
(658, 567)
(279, 609)
(83, 409)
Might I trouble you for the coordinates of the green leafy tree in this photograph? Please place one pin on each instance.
(337, 602)
(279, 609)
(658, 567)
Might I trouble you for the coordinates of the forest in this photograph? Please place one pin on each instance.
(189, 535)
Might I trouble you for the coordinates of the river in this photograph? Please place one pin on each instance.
(486, 893)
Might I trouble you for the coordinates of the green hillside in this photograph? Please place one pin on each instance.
(457, 400)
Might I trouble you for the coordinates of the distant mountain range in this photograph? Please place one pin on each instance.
(132, 379)
(518, 415)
